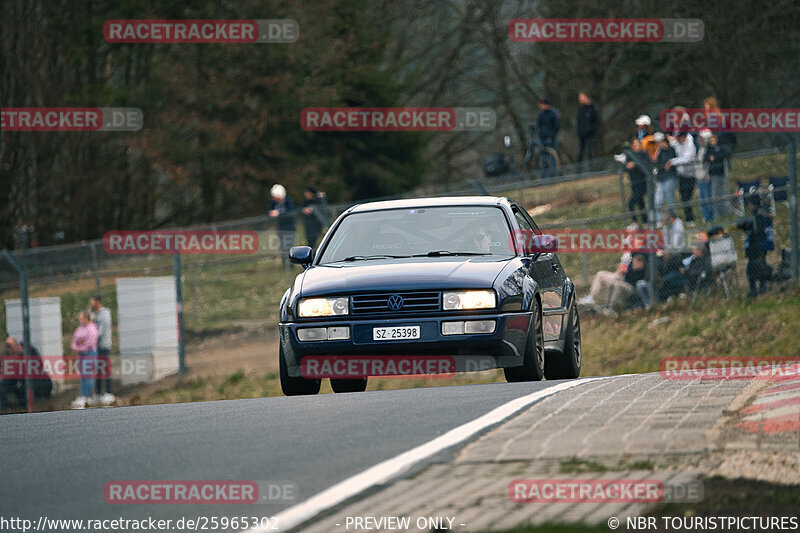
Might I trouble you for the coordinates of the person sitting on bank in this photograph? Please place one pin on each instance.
(15, 386)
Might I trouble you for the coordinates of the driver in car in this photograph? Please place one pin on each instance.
(480, 239)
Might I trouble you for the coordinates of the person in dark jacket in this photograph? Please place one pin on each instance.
(42, 384)
(668, 269)
(679, 275)
(313, 217)
(698, 271)
(588, 121)
(635, 276)
(637, 165)
(548, 124)
(755, 246)
(715, 156)
(666, 175)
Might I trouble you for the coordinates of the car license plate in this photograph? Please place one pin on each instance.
(395, 333)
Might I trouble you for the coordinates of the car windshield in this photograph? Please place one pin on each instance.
(430, 231)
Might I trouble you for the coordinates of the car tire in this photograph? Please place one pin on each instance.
(349, 385)
(296, 386)
(533, 365)
(568, 364)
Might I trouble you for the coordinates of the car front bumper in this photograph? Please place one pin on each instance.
(502, 348)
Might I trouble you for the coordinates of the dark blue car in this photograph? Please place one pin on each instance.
(411, 285)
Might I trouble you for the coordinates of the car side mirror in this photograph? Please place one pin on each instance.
(542, 244)
(301, 255)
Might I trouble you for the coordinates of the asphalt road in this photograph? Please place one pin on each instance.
(56, 464)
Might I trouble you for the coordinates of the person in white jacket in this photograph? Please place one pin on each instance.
(685, 163)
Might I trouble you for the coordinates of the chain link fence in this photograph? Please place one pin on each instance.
(172, 312)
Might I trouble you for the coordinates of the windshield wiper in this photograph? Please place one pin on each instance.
(440, 253)
(368, 257)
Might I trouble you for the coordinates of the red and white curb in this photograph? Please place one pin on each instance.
(776, 410)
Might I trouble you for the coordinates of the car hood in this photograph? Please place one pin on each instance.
(400, 274)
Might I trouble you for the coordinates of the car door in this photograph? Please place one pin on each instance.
(540, 270)
(549, 274)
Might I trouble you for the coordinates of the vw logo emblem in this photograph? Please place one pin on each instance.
(395, 302)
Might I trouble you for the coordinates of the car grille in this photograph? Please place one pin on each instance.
(413, 302)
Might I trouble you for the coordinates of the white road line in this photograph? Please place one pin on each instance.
(386, 470)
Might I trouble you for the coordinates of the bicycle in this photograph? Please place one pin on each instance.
(546, 157)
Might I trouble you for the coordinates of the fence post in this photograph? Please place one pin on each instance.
(795, 259)
(622, 189)
(176, 271)
(94, 266)
(651, 224)
(193, 281)
(26, 326)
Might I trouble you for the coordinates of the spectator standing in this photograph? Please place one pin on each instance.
(715, 121)
(84, 344)
(638, 166)
(313, 217)
(588, 121)
(645, 133)
(685, 162)
(703, 178)
(714, 157)
(25, 236)
(643, 127)
(713, 114)
(666, 177)
(102, 319)
(548, 124)
(282, 208)
(756, 246)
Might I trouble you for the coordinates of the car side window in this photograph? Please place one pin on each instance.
(522, 221)
(526, 230)
(536, 229)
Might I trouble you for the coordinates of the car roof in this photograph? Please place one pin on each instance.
(430, 202)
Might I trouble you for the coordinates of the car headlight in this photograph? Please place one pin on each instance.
(454, 300)
(313, 307)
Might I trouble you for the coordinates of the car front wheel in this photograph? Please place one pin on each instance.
(296, 386)
(532, 368)
(568, 364)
